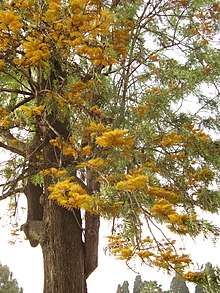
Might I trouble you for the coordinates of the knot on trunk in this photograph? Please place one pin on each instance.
(33, 232)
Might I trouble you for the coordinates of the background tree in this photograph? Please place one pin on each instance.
(140, 286)
(210, 281)
(124, 288)
(7, 283)
(93, 113)
(178, 285)
(199, 289)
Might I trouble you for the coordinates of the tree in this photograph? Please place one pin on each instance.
(124, 288)
(7, 283)
(93, 99)
(140, 286)
(210, 281)
(199, 289)
(137, 284)
(151, 287)
(178, 285)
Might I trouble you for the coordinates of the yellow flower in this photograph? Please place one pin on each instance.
(87, 150)
(55, 142)
(96, 128)
(93, 163)
(144, 254)
(38, 110)
(162, 207)
(115, 250)
(36, 52)
(147, 240)
(45, 172)
(175, 218)
(125, 253)
(192, 276)
(53, 170)
(9, 21)
(163, 193)
(116, 138)
(2, 64)
(14, 141)
(132, 183)
(172, 139)
(69, 151)
(26, 110)
(97, 162)
(141, 110)
(5, 122)
(61, 173)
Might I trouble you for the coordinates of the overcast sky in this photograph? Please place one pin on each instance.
(27, 266)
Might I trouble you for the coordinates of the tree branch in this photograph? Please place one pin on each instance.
(20, 146)
(12, 149)
(15, 91)
(11, 192)
(22, 103)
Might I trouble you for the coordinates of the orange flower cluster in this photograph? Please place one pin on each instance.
(116, 138)
(66, 148)
(163, 256)
(132, 183)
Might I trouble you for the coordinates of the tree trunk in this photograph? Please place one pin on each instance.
(70, 253)
(63, 250)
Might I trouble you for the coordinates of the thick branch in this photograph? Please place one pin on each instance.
(15, 91)
(9, 187)
(11, 192)
(92, 223)
(12, 149)
(21, 103)
(19, 148)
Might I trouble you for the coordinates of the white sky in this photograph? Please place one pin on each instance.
(27, 266)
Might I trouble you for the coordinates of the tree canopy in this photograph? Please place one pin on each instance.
(112, 107)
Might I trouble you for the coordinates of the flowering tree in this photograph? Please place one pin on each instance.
(109, 109)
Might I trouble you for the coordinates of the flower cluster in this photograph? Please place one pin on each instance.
(70, 195)
(172, 139)
(160, 192)
(95, 164)
(32, 111)
(132, 183)
(162, 255)
(36, 52)
(79, 92)
(116, 138)
(54, 171)
(66, 148)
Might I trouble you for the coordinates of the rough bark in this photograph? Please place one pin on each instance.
(70, 253)
(63, 250)
(61, 237)
(33, 193)
(92, 224)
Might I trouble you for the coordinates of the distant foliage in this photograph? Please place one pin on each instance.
(124, 288)
(178, 285)
(140, 286)
(209, 282)
(7, 283)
